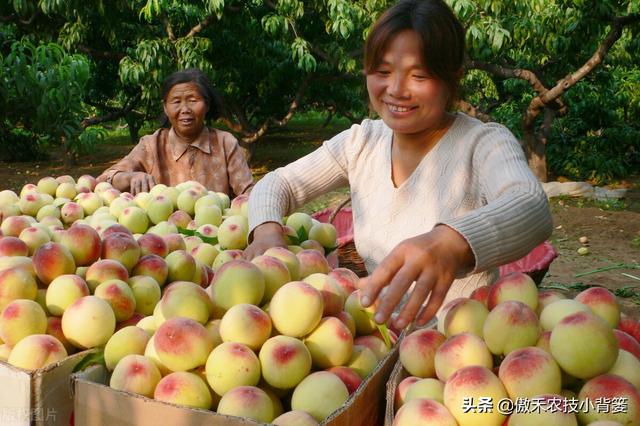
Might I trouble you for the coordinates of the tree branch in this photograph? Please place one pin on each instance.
(203, 24)
(168, 27)
(114, 114)
(472, 111)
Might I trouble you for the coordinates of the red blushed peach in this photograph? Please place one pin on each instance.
(87, 181)
(137, 374)
(285, 361)
(472, 383)
(246, 324)
(333, 295)
(609, 387)
(37, 351)
(401, 390)
(514, 286)
(418, 350)
(628, 343)
(103, 270)
(153, 266)
(186, 299)
(121, 248)
(481, 294)
(52, 260)
(509, 326)
(180, 218)
(153, 244)
(468, 316)
(375, 343)
(63, 291)
(183, 388)
(54, 328)
(627, 366)
(460, 351)
(182, 344)
(289, 259)
(16, 283)
(349, 377)
(346, 278)
(311, 262)
(424, 412)
(557, 310)
(12, 226)
(443, 312)
(174, 242)
(528, 372)
(630, 326)
(230, 365)
(119, 296)
(547, 297)
(602, 302)
(13, 246)
(363, 361)
(133, 320)
(584, 345)
(275, 272)
(295, 418)
(88, 322)
(247, 401)
(20, 319)
(330, 343)
(84, 244)
(347, 320)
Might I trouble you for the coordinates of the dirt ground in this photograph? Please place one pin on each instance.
(612, 229)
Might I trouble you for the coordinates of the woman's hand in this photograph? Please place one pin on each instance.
(265, 236)
(432, 260)
(140, 182)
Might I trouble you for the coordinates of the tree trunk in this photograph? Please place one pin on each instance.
(134, 127)
(70, 156)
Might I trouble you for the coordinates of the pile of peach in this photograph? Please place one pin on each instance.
(182, 318)
(512, 355)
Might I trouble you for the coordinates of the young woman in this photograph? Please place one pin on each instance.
(440, 199)
(188, 149)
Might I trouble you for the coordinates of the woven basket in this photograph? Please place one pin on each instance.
(348, 257)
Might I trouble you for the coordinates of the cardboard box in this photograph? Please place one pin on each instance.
(96, 404)
(39, 397)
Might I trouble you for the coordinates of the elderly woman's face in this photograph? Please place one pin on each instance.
(186, 109)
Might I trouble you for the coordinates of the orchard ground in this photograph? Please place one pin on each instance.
(612, 228)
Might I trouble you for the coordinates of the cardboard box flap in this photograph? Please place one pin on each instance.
(15, 395)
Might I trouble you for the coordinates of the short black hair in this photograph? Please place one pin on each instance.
(441, 34)
(206, 89)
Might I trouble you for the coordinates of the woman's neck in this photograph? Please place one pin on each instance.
(186, 139)
(422, 142)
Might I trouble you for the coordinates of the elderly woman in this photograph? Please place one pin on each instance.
(188, 149)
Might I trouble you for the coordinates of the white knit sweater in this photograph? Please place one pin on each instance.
(475, 180)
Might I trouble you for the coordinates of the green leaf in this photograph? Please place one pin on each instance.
(193, 233)
(302, 233)
(94, 358)
(384, 331)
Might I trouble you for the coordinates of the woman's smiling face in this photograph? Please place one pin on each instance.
(186, 109)
(401, 90)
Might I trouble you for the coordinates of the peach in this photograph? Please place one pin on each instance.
(628, 343)
(418, 350)
(330, 343)
(299, 221)
(182, 344)
(63, 291)
(347, 320)
(509, 326)
(13, 246)
(5, 352)
(425, 389)
(275, 273)
(363, 317)
(54, 328)
(119, 296)
(87, 181)
(137, 374)
(135, 219)
(630, 326)
(183, 388)
(148, 324)
(186, 299)
(159, 208)
(151, 353)
(332, 293)
(117, 206)
(530, 371)
(547, 297)
(472, 383)
(122, 248)
(319, 394)
(16, 283)
(602, 302)
(12, 226)
(190, 242)
(103, 270)
(237, 281)
(295, 418)
(30, 203)
(21, 318)
(133, 320)
(349, 377)
(609, 387)
(230, 365)
(296, 308)
(152, 266)
(224, 257)
(89, 201)
(7, 196)
(514, 286)
(346, 278)
(375, 343)
(19, 262)
(424, 412)
(401, 390)
(49, 215)
(126, 341)
(628, 367)
(71, 212)
(246, 324)
(205, 253)
(247, 401)
(180, 218)
(84, 244)
(146, 293)
(37, 351)
(153, 244)
(52, 260)
(186, 200)
(549, 409)
(232, 233)
(584, 345)
(288, 258)
(34, 237)
(88, 322)
(312, 245)
(181, 266)
(312, 262)
(556, 311)
(325, 234)
(467, 316)
(284, 361)
(48, 185)
(363, 360)
(481, 294)
(116, 228)
(461, 350)
(213, 327)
